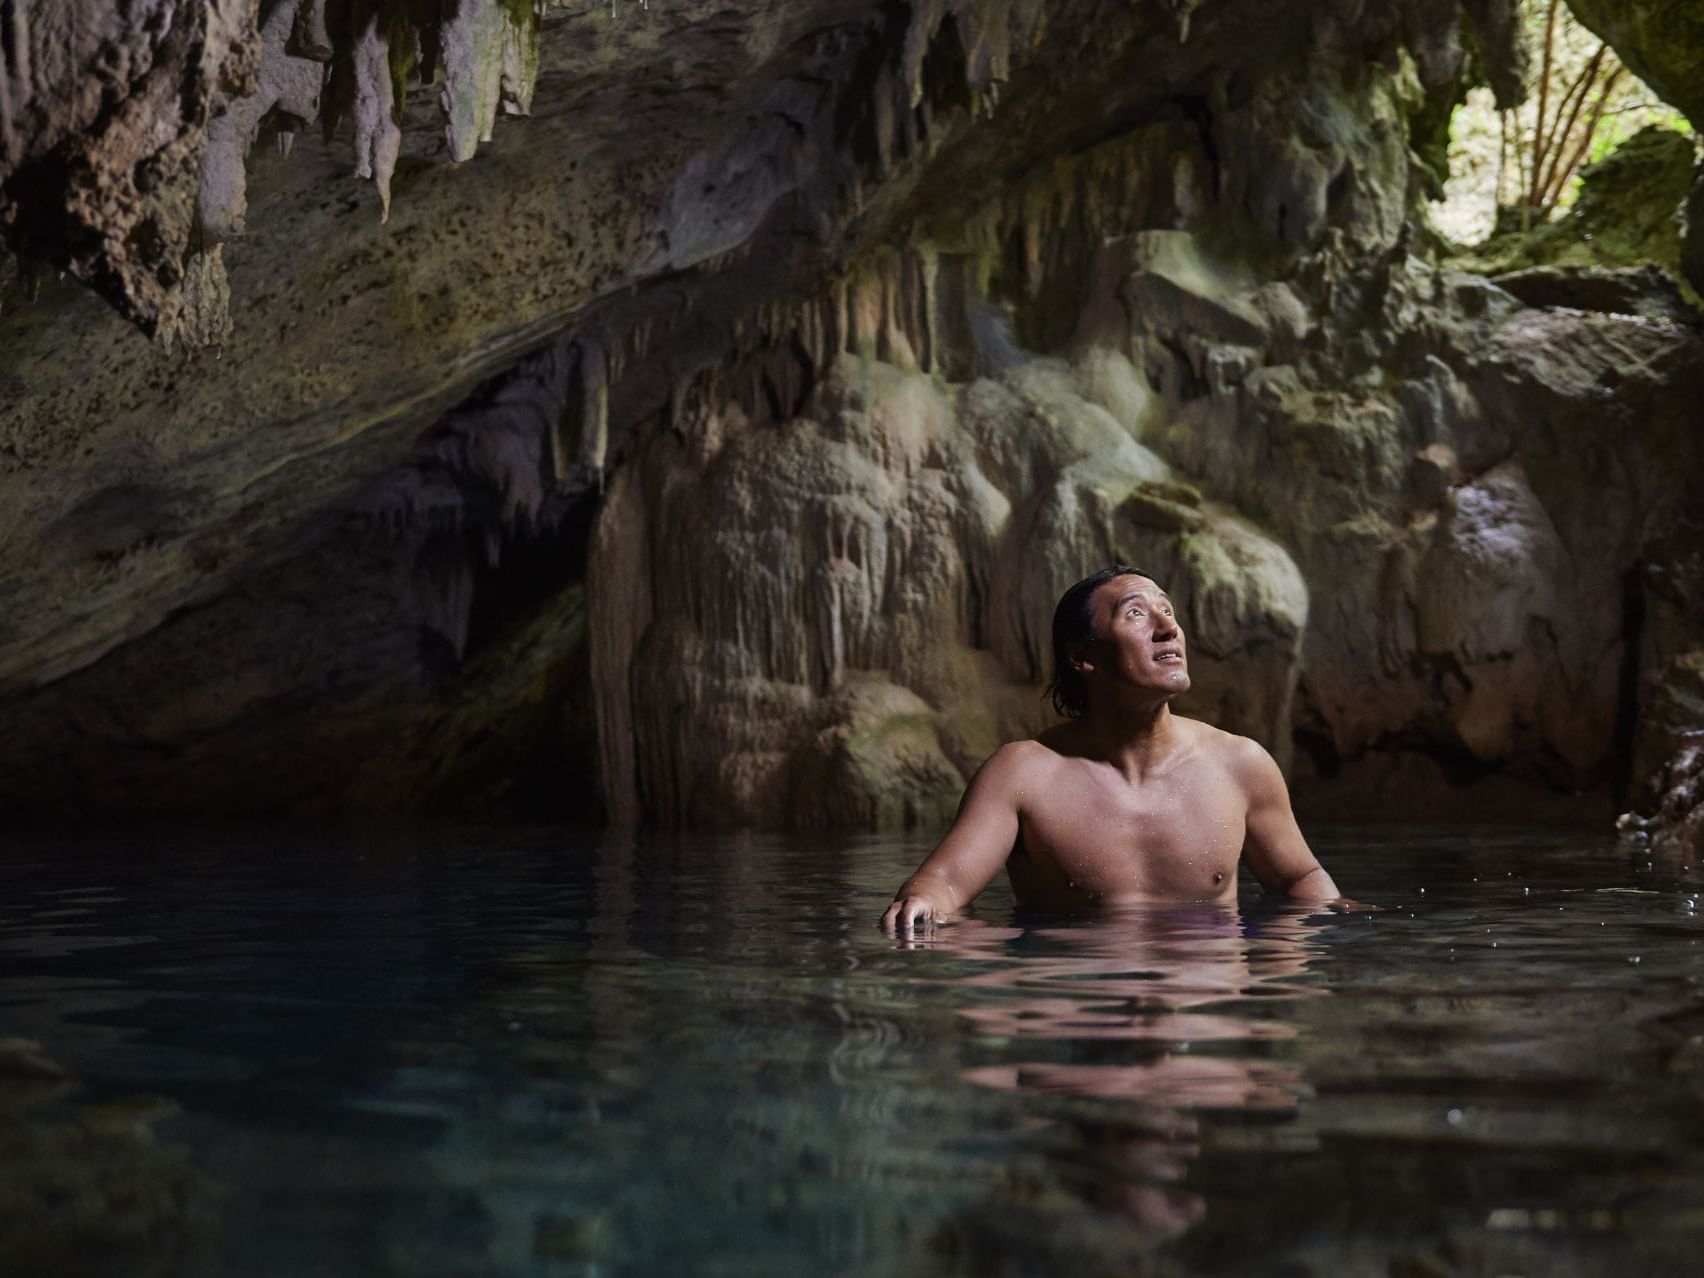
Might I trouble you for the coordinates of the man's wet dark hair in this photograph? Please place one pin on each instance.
(1073, 622)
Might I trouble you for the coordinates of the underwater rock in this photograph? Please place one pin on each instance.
(23, 1058)
(89, 1189)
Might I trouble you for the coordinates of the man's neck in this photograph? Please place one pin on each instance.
(1137, 740)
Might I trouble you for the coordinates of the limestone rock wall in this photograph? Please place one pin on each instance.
(139, 118)
(1663, 42)
(1400, 510)
(711, 446)
(103, 126)
(849, 605)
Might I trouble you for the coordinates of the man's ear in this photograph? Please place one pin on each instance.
(1078, 655)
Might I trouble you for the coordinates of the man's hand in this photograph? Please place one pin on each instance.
(913, 914)
(1346, 905)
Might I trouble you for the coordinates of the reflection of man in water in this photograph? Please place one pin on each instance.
(1126, 802)
(1138, 1007)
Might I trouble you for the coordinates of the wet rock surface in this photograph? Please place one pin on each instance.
(1667, 815)
(710, 446)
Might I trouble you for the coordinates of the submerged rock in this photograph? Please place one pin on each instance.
(89, 1188)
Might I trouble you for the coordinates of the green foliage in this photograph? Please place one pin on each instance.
(1519, 169)
(1617, 128)
(1627, 213)
(1582, 103)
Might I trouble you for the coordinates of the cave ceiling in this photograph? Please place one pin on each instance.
(677, 157)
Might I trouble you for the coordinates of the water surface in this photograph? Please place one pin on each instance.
(572, 1053)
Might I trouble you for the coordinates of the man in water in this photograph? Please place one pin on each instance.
(1125, 803)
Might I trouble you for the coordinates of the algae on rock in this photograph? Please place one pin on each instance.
(1629, 214)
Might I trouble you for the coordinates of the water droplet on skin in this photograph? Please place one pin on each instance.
(1454, 1118)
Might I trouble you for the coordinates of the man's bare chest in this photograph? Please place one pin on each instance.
(1179, 838)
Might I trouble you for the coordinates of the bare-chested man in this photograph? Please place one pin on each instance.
(1126, 802)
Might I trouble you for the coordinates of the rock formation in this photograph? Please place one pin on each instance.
(140, 120)
(711, 446)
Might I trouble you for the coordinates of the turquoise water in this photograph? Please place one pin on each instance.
(568, 1053)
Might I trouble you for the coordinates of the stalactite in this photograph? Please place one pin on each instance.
(490, 60)
(378, 138)
(287, 82)
(927, 16)
(14, 71)
(592, 446)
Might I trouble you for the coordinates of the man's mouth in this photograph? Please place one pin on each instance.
(1168, 655)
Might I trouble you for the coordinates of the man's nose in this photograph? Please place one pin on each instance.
(1165, 627)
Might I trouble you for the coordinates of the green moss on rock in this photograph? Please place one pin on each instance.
(1628, 213)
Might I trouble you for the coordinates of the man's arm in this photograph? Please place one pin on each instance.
(971, 854)
(1273, 845)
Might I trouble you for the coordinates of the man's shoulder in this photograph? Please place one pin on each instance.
(1027, 760)
(1016, 771)
(1028, 753)
(1234, 751)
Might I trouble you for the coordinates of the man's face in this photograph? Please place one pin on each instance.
(1137, 639)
